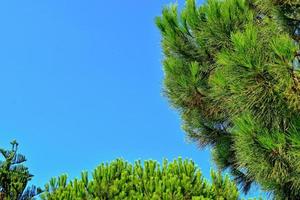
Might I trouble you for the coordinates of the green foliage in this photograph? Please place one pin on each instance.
(179, 179)
(232, 71)
(14, 176)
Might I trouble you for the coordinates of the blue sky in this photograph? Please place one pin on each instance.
(81, 83)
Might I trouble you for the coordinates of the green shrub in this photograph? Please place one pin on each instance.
(176, 180)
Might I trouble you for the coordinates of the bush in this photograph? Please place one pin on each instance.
(176, 180)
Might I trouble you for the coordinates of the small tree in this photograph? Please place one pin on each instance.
(232, 70)
(14, 176)
(120, 180)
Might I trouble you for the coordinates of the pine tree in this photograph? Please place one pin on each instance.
(14, 176)
(120, 180)
(232, 71)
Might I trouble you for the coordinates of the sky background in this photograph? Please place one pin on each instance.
(81, 84)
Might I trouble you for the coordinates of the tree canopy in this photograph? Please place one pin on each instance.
(232, 71)
(14, 176)
(177, 180)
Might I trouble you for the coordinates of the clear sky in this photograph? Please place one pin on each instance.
(81, 83)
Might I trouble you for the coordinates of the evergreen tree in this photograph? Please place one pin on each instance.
(120, 180)
(14, 176)
(232, 71)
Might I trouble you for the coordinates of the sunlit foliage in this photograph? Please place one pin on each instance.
(120, 180)
(232, 71)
